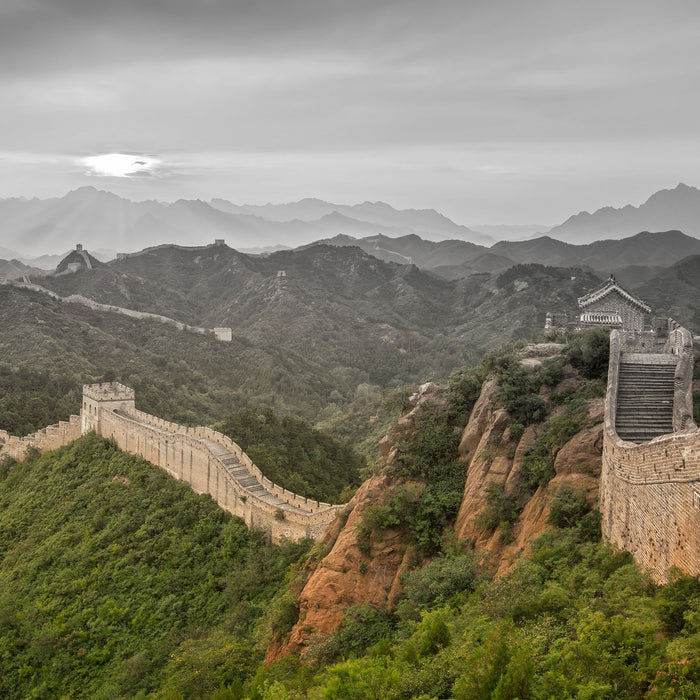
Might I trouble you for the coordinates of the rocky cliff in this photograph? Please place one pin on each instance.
(492, 450)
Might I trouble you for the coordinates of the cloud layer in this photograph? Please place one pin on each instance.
(482, 109)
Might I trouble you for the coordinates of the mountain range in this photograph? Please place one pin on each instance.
(103, 220)
(98, 219)
(678, 208)
(453, 259)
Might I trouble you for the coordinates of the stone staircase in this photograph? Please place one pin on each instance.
(241, 474)
(645, 396)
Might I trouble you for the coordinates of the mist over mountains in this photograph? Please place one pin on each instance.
(678, 208)
(102, 220)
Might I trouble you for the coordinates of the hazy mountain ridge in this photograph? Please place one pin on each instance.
(101, 219)
(453, 259)
(677, 208)
(217, 285)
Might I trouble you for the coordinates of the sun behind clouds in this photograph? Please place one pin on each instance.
(120, 165)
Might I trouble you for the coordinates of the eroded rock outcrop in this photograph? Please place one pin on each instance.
(346, 576)
(349, 574)
(493, 456)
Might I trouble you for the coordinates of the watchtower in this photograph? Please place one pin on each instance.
(611, 306)
(109, 396)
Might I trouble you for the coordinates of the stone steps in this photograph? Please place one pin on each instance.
(241, 474)
(645, 396)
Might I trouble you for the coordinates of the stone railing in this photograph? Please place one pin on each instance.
(680, 342)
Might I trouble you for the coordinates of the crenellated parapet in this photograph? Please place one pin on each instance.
(108, 391)
(206, 459)
(107, 396)
(49, 438)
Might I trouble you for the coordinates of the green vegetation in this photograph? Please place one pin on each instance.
(538, 460)
(116, 579)
(428, 503)
(294, 455)
(30, 400)
(589, 352)
(501, 510)
(577, 620)
(118, 582)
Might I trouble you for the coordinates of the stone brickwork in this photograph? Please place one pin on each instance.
(207, 460)
(612, 306)
(650, 492)
(199, 455)
(50, 438)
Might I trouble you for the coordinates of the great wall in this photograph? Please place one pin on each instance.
(649, 494)
(650, 480)
(209, 461)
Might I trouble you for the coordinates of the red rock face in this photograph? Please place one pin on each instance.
(347, 577)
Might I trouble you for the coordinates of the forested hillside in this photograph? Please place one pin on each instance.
(118, 582)
(329, 341)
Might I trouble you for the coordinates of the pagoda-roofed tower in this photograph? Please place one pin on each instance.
(612, 306)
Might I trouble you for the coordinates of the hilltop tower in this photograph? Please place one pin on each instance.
(111, 396)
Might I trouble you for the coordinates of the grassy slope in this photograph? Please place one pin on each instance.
(116, 578)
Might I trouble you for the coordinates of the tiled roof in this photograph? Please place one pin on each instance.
(601, 317)
(612, 286)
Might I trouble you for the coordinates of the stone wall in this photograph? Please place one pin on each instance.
(109, 410)
(50, 438)
(650, 493)
(181, 452)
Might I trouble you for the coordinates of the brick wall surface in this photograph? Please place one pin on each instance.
(50, 438)
(181, 451)
(650, 493)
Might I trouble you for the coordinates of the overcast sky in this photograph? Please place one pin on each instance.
(498, 111)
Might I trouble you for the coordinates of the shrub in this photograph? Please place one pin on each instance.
(589, 353)
(500, 509)
(434, 635)
(568, 506)
(435, 583)
(674, 599)
(538, 460)
(463, 390)
(361, 626)
(426, 444)
(515, 431)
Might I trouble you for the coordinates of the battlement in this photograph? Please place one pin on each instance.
(109, 391)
